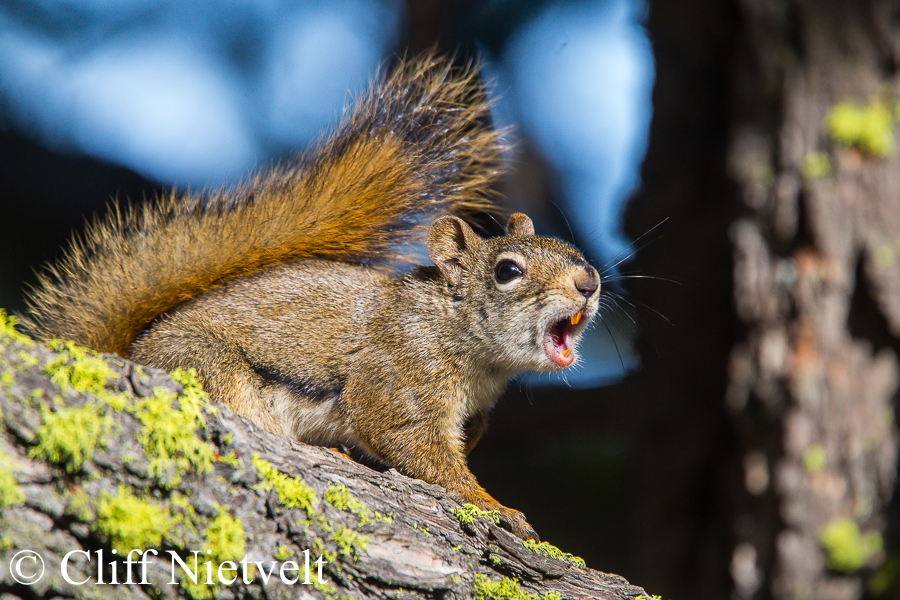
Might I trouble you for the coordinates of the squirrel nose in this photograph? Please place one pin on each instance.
(587, 281)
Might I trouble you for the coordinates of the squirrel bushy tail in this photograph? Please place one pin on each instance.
(414, 146)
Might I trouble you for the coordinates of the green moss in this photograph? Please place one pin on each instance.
(869, 128)
(505, 589)
(469, 513)
(814, 459)
(81, 507)
(350, 543)
(183, 513)
(193, 394)
(282, 553)
(8, 329)
(292, 492)
(169, 436)
(846, 547)
(341, 498)
(129, 522)
(28, 360)
(226, 538)
(885, 256)
(886, 577)
(10, 492)
(552, 551)
(69, 436)
(79, 369)
(815, 165)
(326, 588)
(322, 550)
(229, 459)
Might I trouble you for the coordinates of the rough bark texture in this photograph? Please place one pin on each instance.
(817, 291)
(384, 535)
(768, 409)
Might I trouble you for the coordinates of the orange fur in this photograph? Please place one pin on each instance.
(414, 147)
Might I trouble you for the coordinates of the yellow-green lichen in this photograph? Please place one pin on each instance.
(505, 589)
(187, 523)
(814, 459)
(225, 541)
(69, 435)
(847, 548)
(79, 369)
(8, 329)
(885, 578)
(326, 588)
(130, 522)
(229, 459)
(292, 492)
(28, 360)
(81, 506)
(469, 513)
(869, 128)
(815, 165)
(169, 436)
(283, 553)
(322, 550)
(341, 498)
(350, 543)
(193, 393)
(549, 550)
(10, 492)
(226, 538)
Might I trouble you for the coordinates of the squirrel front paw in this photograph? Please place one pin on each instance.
(515, 522)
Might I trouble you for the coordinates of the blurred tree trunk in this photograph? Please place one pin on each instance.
(814, 375)
(770, 451)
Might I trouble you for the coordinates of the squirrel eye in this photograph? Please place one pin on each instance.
(506, 271)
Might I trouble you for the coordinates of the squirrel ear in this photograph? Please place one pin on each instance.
(519, 224)
(448, 239)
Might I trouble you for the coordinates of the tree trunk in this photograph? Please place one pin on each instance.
(814, 374)
(769, 447)
(99, 456)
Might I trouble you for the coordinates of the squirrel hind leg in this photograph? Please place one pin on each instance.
(190, 340)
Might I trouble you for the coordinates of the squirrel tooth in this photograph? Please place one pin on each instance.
(575, 318)
(567, 352)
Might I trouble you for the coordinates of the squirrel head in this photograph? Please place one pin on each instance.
(527, 298)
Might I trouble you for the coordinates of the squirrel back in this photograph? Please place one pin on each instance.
(415, 146)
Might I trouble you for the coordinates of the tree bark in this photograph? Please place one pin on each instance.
(767, 410)
(96, 458)
(814, 375)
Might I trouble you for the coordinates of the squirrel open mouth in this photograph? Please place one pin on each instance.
(559, 339)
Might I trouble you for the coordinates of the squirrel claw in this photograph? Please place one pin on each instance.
(514, 521)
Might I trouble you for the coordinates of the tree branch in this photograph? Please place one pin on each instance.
(98, 455)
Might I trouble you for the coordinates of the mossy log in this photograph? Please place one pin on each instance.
(100, 457)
